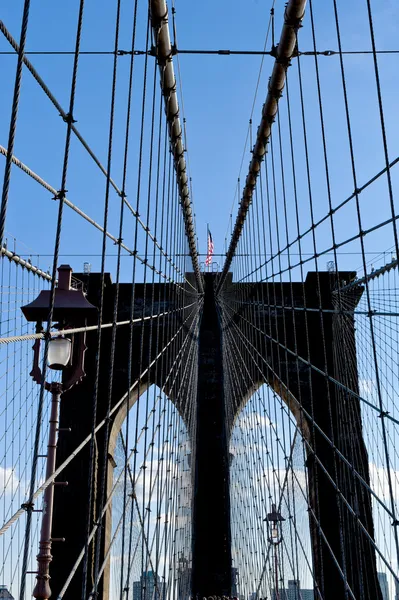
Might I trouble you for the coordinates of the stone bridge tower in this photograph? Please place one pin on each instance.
(310, 385)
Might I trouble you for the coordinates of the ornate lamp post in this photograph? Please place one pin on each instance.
(66, 354)
(275, 537)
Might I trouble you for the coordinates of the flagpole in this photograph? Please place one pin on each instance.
(207, 242)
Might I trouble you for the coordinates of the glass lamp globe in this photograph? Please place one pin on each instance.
(59, 353)
(274, 533)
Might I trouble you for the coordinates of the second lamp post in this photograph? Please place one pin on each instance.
(275, 537)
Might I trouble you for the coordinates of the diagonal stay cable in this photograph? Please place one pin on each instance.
(25, 264)
(57, 242)
(320, 371)
(324, 218)
(114, 487)
(288, 468)
(54, 101)
(237, 351)
(87, 218)
(64, 115)
(317, 426)
(61, 332)
(73, 454)
(311, 512)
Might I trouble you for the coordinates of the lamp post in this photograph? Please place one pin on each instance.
(66, 354)
(275, 537)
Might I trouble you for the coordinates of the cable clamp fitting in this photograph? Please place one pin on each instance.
(294, 22)
(273, 51)
(277, 94)
(285, 61)
(27, 506)
(68, 118)
(60, 195)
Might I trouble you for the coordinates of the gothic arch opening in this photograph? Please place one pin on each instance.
(268, 467)
(148, 542)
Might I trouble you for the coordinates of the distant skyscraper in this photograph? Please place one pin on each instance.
(183, 579)
(383, 581)
(234, 581)
(5, 594)
(293, 592)
(136, 590)
(148, 588)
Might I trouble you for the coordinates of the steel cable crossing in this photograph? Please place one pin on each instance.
(294, 13)
(309, 356)
(64, 116)
(324, 342)
(155, 318)
(163, 47)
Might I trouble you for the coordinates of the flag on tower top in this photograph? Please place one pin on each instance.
(208, 260)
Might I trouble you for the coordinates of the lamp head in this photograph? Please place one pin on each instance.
(275, 519)
(71, 309)
(70, 306)
(274, 516)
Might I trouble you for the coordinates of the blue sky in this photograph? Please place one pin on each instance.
(218, 94)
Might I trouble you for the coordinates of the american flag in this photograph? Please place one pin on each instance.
(208, 260)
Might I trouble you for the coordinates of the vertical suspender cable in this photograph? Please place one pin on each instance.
(13, 120)
(293, 17)
(160, 28)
